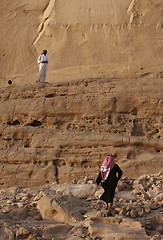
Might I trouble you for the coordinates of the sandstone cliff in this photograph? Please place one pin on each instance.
(61, 133)
(103, 95)
(109, 38)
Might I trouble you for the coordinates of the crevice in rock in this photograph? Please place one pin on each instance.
(27, 145)
(30, 174)
(35, 123)
(158, 150)
(72, 164)
(109, 119)
(13, 123)
(50, 95)
(134, 111)
(56, 172)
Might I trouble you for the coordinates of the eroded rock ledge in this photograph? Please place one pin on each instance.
(61, 133)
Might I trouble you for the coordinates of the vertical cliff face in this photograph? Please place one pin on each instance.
(18, 23)
(83, 38)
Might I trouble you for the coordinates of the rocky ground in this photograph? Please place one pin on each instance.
(73, 212)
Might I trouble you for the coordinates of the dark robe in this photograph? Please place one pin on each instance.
(110, 184)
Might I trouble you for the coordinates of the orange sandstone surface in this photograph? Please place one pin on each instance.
(104, 94)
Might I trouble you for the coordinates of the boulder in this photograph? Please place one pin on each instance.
(121, 186)
(110, 231)
(57, 231)
(133, 213)
(65, 209)
(50, 209)
(82, 190)
(125, 195)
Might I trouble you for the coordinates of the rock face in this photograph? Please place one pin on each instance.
(61, 133)
(83, 38)
(103, 95)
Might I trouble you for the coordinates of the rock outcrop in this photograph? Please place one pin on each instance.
(103, 95)
(61, 133)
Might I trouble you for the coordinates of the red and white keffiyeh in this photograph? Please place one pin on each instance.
(106, 167)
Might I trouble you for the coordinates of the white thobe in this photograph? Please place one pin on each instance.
(43, 67)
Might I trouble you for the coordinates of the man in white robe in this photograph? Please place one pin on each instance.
(43, 66)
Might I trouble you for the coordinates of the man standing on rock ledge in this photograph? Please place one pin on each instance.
(109, 175)
(43, 66)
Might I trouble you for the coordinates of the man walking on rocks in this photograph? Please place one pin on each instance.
(43, 66)
(109, 175)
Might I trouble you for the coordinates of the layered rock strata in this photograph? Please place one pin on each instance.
(61, 133)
